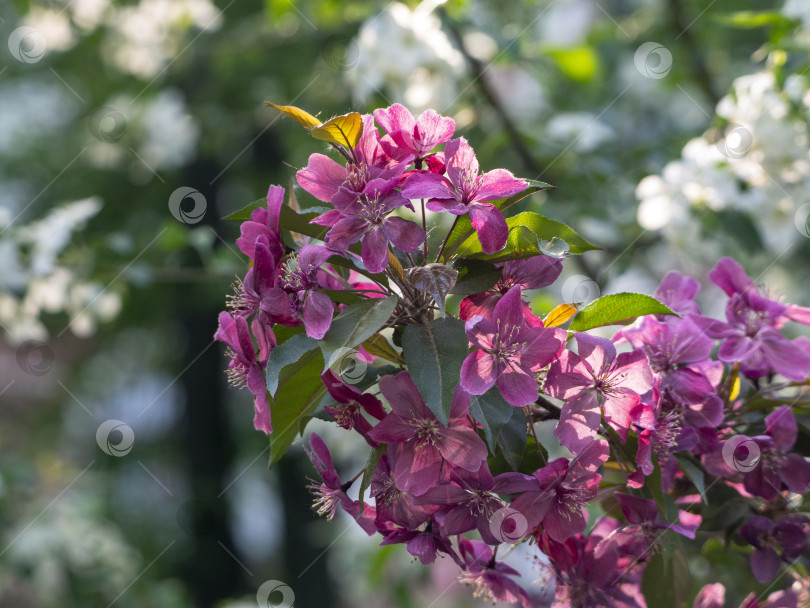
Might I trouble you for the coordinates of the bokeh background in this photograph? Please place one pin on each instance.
(676, 131)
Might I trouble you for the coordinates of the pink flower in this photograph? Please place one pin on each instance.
(509, 351)
(421, 444)
(349, 415)
(592, 381)
(463, 190)
(244, 368)
(751, 336)
(538, 271)
(330, 494)
(412, 137)
(264, 222)
(323, 177)
(367, 216)
(555, 495)
(489, 578)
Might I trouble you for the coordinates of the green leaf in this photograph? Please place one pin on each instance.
(244, 213)
(299, 392)
(354, 325)
(492, 411)
(530, 234)
(474, 276)
(290, 219)
(379, 346)
(693, 472)
(463, 228)
(368, 472)
(619, 308)
(579, 63)
(287, 355)
(512, 438)
(666, 583)
(342, 297)
(434, 354)
(754, 19)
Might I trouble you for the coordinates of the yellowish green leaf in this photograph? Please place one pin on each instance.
(302, 117)
(342, 130)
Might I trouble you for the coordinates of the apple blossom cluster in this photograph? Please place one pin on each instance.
(679, 428)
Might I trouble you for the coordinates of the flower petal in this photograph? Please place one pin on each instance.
(478, 373)
(405, 235)
(374, 250)
(488, 222)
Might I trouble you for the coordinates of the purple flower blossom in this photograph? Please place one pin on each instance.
(423, 544)
(774, 542)
(259, 284)
(421, 443)
(509, 351)
(305, 302)
(555, 495)
(714, 596)
(644, 527)
(490, 579)
(533, 273)
(468, 503)
(751, 336)
(659, 435)
(395, 505)
(678, 352)
(586, 579)
(592, 380)
(244, 368)
(463, 190)
(331, 494)
(409, 137)
(349, 415)
(264, 222)
(678, 292)
(367, 216)
(323, 177)
(777, 464)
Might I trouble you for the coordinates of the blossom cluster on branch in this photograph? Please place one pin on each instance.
(678, 427)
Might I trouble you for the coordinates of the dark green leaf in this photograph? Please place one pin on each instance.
(244, 213)
(342, 297)
(434, 354)
(474, 276)
(287, 355)
(463, 228)
(512, 438)
(354, 325)
(299, 392)
(619, 308)
(666, 583)
(695, 473)
(492, 411)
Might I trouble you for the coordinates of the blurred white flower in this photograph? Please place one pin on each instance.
(758, 165)
(566, 24)
(520, 93)
(33, 111)
(54, 25)
(583, 131)
(49, 236)
(148, 36)
(170, 133)
(406, 53)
